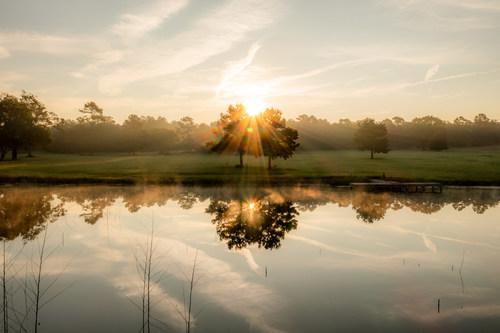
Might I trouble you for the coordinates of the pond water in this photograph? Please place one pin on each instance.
(292, 259)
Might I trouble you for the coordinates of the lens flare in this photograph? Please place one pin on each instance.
(254, 106)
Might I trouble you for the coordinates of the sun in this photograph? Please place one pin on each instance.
(254, 105)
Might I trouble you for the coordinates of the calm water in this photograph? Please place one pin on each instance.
(265, 260)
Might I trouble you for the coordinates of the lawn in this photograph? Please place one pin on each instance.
(459, 166)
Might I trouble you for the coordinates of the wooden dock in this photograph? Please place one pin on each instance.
(391, 186)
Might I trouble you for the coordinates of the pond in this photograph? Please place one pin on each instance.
(228, 259)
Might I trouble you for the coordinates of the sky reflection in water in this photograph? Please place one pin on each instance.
(268, 260)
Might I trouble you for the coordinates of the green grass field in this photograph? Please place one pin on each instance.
(464, 166)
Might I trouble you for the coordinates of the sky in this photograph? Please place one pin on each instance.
(333, 59)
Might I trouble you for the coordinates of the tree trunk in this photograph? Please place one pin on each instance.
(241, 160)
(14, 154)
(371, 156)
(269, 163)
(2, 155)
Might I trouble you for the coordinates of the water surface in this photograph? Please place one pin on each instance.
(265, 260)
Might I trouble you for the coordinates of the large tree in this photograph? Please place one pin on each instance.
(24, 123)
(265, 134)
(42, 120)
(371, 136)
(232, 132)
(276, 139)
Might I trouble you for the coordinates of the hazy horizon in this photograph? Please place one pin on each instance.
(333, 59)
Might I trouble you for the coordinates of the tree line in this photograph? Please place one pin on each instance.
(423, 133)
(27, 125)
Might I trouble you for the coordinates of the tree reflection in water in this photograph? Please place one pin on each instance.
(242, 216)
(240, 223)
(26, 212)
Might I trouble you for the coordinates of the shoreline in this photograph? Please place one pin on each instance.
(333, 181)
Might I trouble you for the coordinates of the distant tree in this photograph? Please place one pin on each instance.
(232, 132)
(461, 121)
(371, 136)
(276, 139)
(431, 133)
(482, 119)
(185, 128)
(398, 121)
(93, 114)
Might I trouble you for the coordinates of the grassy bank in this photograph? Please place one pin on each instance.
(461, 167)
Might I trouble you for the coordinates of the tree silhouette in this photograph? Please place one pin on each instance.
(232, 132)
(24, 123)
(276, 138)
(372, 136)
(265, 134)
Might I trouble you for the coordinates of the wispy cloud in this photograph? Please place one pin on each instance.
(447, 15)
(213, 34)
(484, 5)
(381, 89)
(100, 59)
(135, 25)
(49, 44)
(240, 83)
(431, 72)
(237, 67)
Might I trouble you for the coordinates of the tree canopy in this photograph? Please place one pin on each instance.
(276, 138)
(372, 136)
(24, 124)
(265, 134)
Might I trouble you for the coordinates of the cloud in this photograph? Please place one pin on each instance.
(431, 72)
(447, 15)
(237, 67)
(483, 5)
(382, 89)
(101, 59)
(240, 84)
(135, 25)
(48, 44)
(213, 34)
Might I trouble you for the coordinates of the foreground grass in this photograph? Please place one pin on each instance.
(464, 166)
